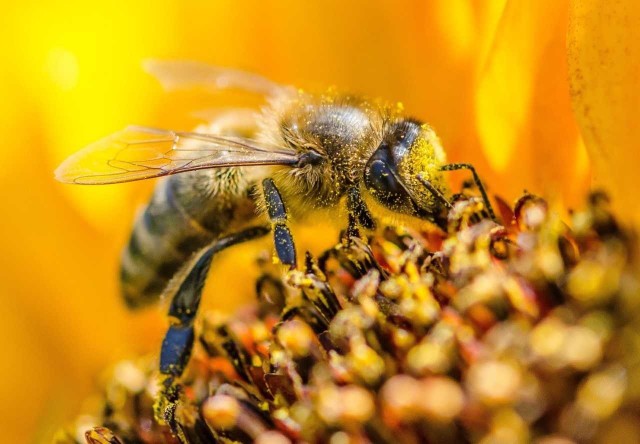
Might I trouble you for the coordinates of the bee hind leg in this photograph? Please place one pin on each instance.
(283, 240)
(178, 342)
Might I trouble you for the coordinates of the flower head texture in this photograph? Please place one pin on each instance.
(491, 332)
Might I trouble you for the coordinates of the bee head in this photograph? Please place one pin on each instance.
(408, 149)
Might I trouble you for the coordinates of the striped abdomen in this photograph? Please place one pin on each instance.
(186, 213)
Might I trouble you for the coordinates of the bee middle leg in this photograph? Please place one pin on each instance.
(178, 342)
(283, 240)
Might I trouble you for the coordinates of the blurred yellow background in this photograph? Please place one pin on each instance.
(491, 76)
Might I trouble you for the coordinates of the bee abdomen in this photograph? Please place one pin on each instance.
(163, 238)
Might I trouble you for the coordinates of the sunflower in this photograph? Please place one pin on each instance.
(511, 332)
(538, 96)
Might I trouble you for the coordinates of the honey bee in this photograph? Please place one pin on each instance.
(245, 174)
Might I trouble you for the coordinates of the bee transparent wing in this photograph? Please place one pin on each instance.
(137, 153)
(175, 74)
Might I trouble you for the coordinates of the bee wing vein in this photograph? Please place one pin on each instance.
(137, 153)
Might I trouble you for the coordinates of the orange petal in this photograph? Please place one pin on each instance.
(604, 67)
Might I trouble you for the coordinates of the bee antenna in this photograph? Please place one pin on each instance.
(476, 179)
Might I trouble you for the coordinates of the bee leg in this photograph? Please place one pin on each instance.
(285, 247)
(358, 214)
(476, 179)
(351, 231)
(178, 342)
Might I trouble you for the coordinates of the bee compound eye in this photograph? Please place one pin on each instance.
(380, 179)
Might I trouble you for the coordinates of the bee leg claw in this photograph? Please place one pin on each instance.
(285, 247)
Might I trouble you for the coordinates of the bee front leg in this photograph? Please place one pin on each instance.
(358, 213)
(285, 247)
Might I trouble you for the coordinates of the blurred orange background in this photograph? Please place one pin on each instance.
(493, 77)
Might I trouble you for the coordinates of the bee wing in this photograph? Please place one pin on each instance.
(137, 153)
(175, 74)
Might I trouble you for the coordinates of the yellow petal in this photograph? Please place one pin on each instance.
(604, 66)
(523, 113)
